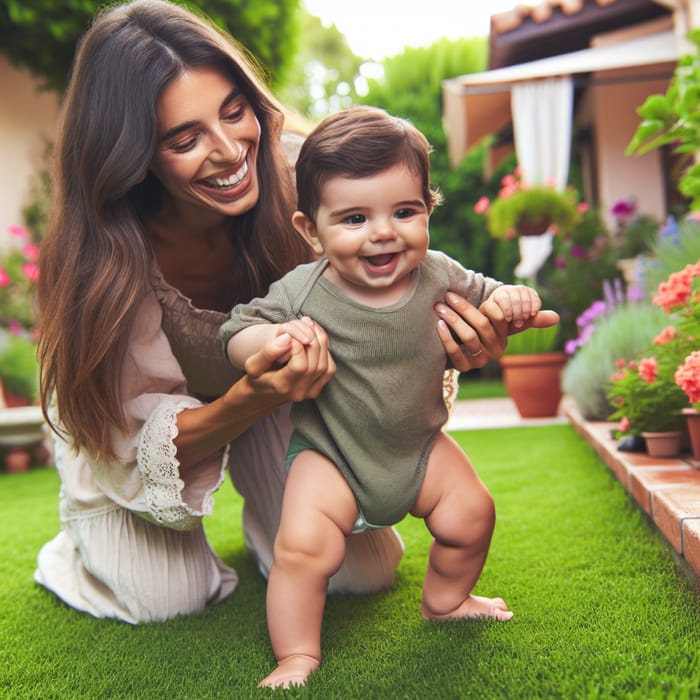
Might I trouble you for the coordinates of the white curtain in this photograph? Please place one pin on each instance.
(542, 121)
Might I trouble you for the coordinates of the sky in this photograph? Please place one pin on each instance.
(376, 29)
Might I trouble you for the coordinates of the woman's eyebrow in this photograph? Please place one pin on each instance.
(170, 133)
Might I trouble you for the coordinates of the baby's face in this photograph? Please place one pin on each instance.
(374, 230)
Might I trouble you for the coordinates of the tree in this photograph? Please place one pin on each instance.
(42, 34)
(412, 88)
(325, 73)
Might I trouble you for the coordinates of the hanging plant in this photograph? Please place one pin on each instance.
(524, 210)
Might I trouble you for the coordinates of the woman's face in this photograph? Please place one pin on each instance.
(208, 139)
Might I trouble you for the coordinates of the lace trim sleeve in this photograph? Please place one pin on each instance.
(160, 470)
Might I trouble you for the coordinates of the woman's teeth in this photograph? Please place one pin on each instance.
(231, 180)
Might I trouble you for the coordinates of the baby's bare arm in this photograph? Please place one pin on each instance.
(250, 340)
(513, 303)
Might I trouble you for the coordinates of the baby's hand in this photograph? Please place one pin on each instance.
(513, 303)
(301, 330)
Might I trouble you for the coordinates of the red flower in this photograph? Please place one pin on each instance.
(666, 336)
(676, 290)
(687, 376)
(482, 205)
(648, 369)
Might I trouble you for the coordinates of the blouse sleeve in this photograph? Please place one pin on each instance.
(146, 476)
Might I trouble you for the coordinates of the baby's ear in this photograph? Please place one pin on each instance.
(307, 230)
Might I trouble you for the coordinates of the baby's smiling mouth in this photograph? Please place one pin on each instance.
(380, 260)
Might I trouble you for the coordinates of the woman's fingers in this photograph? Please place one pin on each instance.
(291, 369)
(470, 338)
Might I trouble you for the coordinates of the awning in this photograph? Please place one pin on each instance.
(478, 104)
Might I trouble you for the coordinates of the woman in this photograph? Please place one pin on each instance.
(173, 203)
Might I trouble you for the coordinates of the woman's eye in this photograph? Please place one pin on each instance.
(184, 146)
(354, 219)
(234, 115)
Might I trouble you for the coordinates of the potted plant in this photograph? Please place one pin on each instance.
(648, 404)
(532, 371)
(680, 297)
(19, 272)
(528, 210)
(19, 370)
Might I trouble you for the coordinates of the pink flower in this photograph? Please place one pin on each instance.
(676, 290)
(624, 424)
(648, 369)
(31, 251)
(509, 181)
(507, 191)
(18, 231)
(582, 207)
(666, 336)
(482, 205)
(687, 376)
(31, 271)
(4, 278)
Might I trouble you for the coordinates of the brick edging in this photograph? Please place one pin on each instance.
(667, 490)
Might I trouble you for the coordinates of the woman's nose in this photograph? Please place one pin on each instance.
(226, 148)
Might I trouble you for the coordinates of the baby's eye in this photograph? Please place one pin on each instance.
(404, 213)
(354, 219)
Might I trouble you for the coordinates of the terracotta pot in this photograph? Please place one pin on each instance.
(533, 227)
(663, 444)
(10, 400)
(534, 382)
(17, 459)
(692, 421)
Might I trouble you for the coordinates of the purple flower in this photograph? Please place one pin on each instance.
(622, 209)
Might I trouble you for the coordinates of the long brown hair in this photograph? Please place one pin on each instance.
(95, 259)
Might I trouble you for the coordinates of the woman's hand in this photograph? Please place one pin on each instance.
(470, 339)
(292, 370)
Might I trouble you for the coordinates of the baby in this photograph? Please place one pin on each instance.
(370, 448)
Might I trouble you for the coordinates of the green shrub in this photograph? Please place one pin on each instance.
(624, 333)
(19, 368)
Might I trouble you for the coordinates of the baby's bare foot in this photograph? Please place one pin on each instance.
(292, 670)
(474, 606)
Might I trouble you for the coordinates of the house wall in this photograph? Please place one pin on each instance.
(623, 177)
(27, 118)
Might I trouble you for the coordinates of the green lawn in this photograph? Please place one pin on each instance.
(600, 609)
(481, 389)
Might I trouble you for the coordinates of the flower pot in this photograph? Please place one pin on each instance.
(663, 444)
(533, 227)
(17, 460)
(533, 381)
(692, 421)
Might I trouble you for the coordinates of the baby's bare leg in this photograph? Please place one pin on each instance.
(459, 512)
(318, 513)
